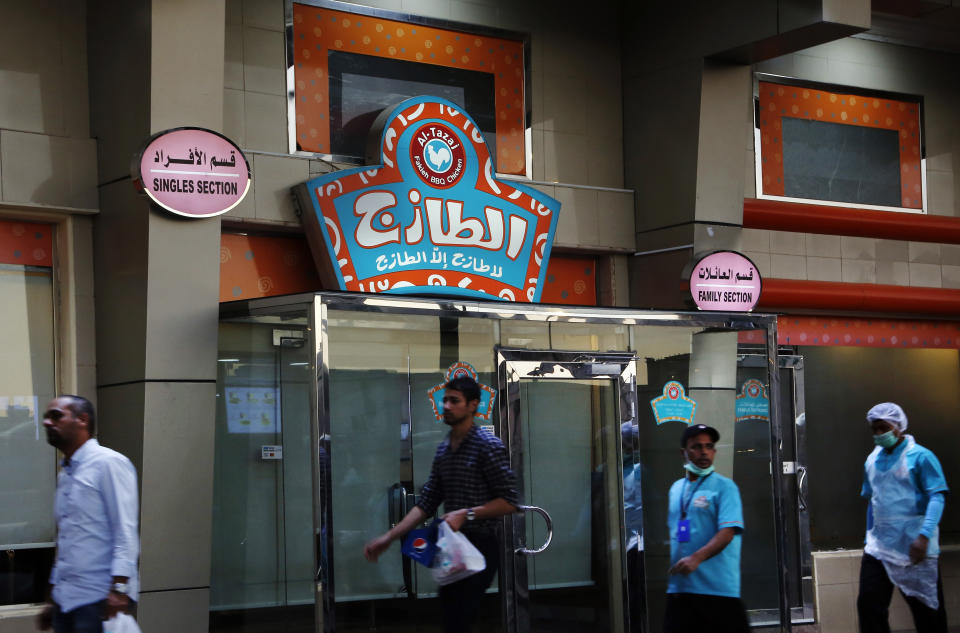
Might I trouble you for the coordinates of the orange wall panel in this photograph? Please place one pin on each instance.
(26, 243)
(859, 332)
(571, 280)
(263, 266)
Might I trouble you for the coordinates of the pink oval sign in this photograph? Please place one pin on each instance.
(725, 281)
(192, 172)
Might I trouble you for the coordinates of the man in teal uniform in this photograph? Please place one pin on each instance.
(705, 519)
(906, 488)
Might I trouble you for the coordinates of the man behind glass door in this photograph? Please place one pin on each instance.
(705, 519)
(95, 573)
(471, 476)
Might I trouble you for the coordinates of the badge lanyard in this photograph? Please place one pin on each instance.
(683, 525)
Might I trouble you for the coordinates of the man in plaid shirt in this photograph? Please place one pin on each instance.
(471, 476)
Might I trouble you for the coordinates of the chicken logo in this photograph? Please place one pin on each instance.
(438, 155)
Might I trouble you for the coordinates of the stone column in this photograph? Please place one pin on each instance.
(713, 385)
(155, 65)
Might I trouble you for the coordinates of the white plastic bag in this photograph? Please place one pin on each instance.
(121, 623)
(456, 557)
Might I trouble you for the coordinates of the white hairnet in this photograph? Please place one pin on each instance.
(890, 412)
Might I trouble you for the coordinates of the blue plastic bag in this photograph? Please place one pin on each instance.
(421, 544)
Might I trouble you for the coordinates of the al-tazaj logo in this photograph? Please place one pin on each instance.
(460, 368)
(673, 405)
(431, 218)
(752, 402)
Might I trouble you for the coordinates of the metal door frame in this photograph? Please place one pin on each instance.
(803, 614)
(514, 365)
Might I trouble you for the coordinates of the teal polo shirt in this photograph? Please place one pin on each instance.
(712, 503)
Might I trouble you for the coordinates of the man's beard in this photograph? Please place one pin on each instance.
(450, 421)
(54, 439)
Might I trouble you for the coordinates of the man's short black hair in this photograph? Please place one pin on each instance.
(695, 430)
(78, 405)
(465, 385)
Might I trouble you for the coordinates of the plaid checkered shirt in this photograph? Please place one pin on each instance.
(477, 472)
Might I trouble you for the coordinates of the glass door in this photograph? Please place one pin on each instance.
(262, 554)
(752, 465)
(569, 422)
(380, 436)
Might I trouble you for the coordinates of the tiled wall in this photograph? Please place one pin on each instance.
(874, 65)
(46, 153)
(837, 582)
(814, 257)
(575, 95)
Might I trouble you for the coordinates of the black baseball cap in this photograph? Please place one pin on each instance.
(697, 429)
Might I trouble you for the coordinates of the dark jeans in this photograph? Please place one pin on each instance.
(84, 619)
(873, 602)
(696, 613)
(459, 601)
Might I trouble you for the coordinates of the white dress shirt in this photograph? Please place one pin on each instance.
(97, 515)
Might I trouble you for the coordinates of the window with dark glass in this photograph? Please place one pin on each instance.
(832, 144)
(345, 67)
(361, 86)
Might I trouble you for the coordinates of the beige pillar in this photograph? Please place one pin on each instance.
(157, 65)
(713, 384)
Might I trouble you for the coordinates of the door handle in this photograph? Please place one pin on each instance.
(547, 520)
(397, 503)
(801, 478)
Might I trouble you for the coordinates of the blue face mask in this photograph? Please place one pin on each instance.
(696, 470)
(885, 440)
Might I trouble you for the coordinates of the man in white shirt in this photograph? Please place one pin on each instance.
(95, 572)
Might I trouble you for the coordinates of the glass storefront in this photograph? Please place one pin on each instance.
(326, 432)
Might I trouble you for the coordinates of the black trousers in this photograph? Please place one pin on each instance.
(461, 600)
(87, 618)
(696, 613)
(873, 602)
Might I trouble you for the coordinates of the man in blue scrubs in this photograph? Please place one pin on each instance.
(705, 519)
(906, 488)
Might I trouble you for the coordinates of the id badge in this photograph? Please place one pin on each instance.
(683, 531)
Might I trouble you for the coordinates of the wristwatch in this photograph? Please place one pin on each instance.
(471, 515)
(119, 587)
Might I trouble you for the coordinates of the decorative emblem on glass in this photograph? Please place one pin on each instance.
(460, 368)
(752, 402)
(673, 405)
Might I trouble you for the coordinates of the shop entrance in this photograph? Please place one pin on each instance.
(562, 417)
(576, 395)
(568, 420)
